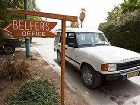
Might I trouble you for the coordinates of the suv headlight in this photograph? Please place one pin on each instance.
(108, 67)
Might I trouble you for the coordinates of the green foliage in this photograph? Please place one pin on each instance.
(125, 7)
(130, 5)
(125, 32)
(6, 16)
(114, 14)
(36, 92)
(123, 26)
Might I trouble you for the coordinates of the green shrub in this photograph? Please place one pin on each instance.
(125, 32)
(36, 92)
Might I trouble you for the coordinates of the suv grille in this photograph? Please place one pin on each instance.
(127, 65)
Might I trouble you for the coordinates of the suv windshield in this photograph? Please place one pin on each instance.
(89, 39)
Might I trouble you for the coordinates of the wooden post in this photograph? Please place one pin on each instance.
(63, 40)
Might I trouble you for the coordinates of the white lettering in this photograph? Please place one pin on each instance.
(26, 27)
(39, 33)
(43, 34)
(29, 33)
(23, 33)
(31, 25)
(21, 25)
(42, 26)
(47, 26)
(37, 26)
(33, 33)
(15, 25)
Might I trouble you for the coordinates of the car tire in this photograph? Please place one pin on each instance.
(91, 79)
(58, 57)
(9, 49)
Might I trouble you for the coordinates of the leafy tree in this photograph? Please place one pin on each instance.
(114, 14)
(6, 16)
(130, 5)
(125, 7)
(123, 26)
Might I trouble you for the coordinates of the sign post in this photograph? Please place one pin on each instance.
(27, 39)
(63, 32)
(63, 19)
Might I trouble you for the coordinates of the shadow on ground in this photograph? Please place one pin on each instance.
(117, 91)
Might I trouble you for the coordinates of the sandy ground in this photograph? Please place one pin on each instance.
(40, 69)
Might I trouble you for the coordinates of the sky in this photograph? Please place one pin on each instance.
(96, 10)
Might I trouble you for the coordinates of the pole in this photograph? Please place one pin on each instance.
(27, 40)
(63, 30)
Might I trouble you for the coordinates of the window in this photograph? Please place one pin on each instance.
(71, 38)
(89, 39)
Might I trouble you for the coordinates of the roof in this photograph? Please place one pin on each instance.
(79, 30)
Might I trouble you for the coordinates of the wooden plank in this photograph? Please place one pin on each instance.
(63, 40)
(48, 15)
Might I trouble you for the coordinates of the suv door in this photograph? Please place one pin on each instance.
(71, 48)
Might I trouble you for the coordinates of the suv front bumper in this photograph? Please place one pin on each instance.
(122, 75)
(114, 77)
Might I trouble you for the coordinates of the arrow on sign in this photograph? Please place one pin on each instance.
(8, 29)
(30, 28)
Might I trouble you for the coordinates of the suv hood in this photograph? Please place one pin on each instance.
(112, 54)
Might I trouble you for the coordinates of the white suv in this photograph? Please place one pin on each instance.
(91, 53)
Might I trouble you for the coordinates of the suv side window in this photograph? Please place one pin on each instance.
(71, 38)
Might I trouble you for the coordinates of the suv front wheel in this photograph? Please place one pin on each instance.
(90, 77)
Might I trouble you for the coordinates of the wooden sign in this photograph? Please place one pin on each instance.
(30, 28)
